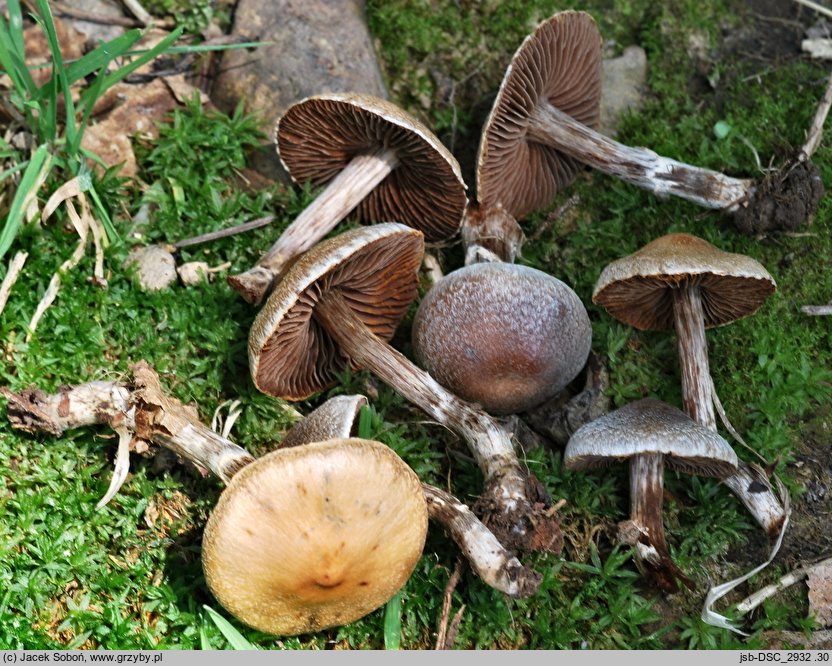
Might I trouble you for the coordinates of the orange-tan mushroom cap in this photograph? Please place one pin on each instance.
(315, 536)
(317, 137)
(559, 64)
(637, 289)
(376, 270)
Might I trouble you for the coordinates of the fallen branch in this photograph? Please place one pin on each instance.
(820, 9)
(817, 310)
(752, 601)
(224, 233)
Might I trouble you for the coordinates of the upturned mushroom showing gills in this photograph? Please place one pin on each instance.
(337, 305)
(314, 536)
(541, 128)
(374, 158)
(651, 435)
(504, 336)
(683, 282)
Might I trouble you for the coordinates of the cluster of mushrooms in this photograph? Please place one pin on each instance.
(328, 527)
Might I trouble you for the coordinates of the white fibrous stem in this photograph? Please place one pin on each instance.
(340, 197)
(486, 555)
(638, 166)
(142, 410)
(505, 480)
(646, 529)
(752, 488)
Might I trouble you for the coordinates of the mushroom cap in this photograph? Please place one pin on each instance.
(558, 64)
(376, 269)
(333, 419)
(315, 536)
(646, 427)
(636, 289)
(505, 336)
(317, 137)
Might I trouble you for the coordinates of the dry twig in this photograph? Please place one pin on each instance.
(443, 637)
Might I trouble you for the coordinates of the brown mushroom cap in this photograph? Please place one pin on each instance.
(315, 536)
(318, 137)
(504, 336)
(636, 289)
(559, 64)
(650, 426)
(375, 268)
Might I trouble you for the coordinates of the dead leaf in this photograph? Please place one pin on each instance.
(141, 107)
(820, 593)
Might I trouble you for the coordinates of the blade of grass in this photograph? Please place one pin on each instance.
(102, 56)
(202, 48)
(47, 23)
(393, 623)
(13, 62)
(31, 181)
(204, 643)
(235, 639)
(150, 54)
(365, 422)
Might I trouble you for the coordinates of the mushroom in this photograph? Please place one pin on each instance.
(504, 336)
(486, 555)
(650, 434)
(682, 281)
(314, 536)
(541, 128)
(373, 157)
(337, 305)
(144, 407)
(301, 539)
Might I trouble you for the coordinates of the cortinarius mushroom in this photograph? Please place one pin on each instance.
(314, 536)
(682, 281)
(504, 336)
(338, 304)
(302, 538)
(486, 555)
(541, 127)
(650, 434)
(374, 158)
(144, 411)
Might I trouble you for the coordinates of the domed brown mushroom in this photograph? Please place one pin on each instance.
(339, 303)
(683, 282)
(650, 434)
(374, 158)
(504, 336)
(314, 536)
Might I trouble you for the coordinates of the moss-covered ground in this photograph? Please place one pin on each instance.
(129, 575)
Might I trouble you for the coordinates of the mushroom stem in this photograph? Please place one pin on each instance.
(753, 489)
(505, 481)
(486, 555)
(144, 411)
(638, 166)
(338, 199)
(646, 529)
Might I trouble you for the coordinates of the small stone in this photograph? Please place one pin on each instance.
(155, 267)
(193, 273)
(622, 86)
(314, 47)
